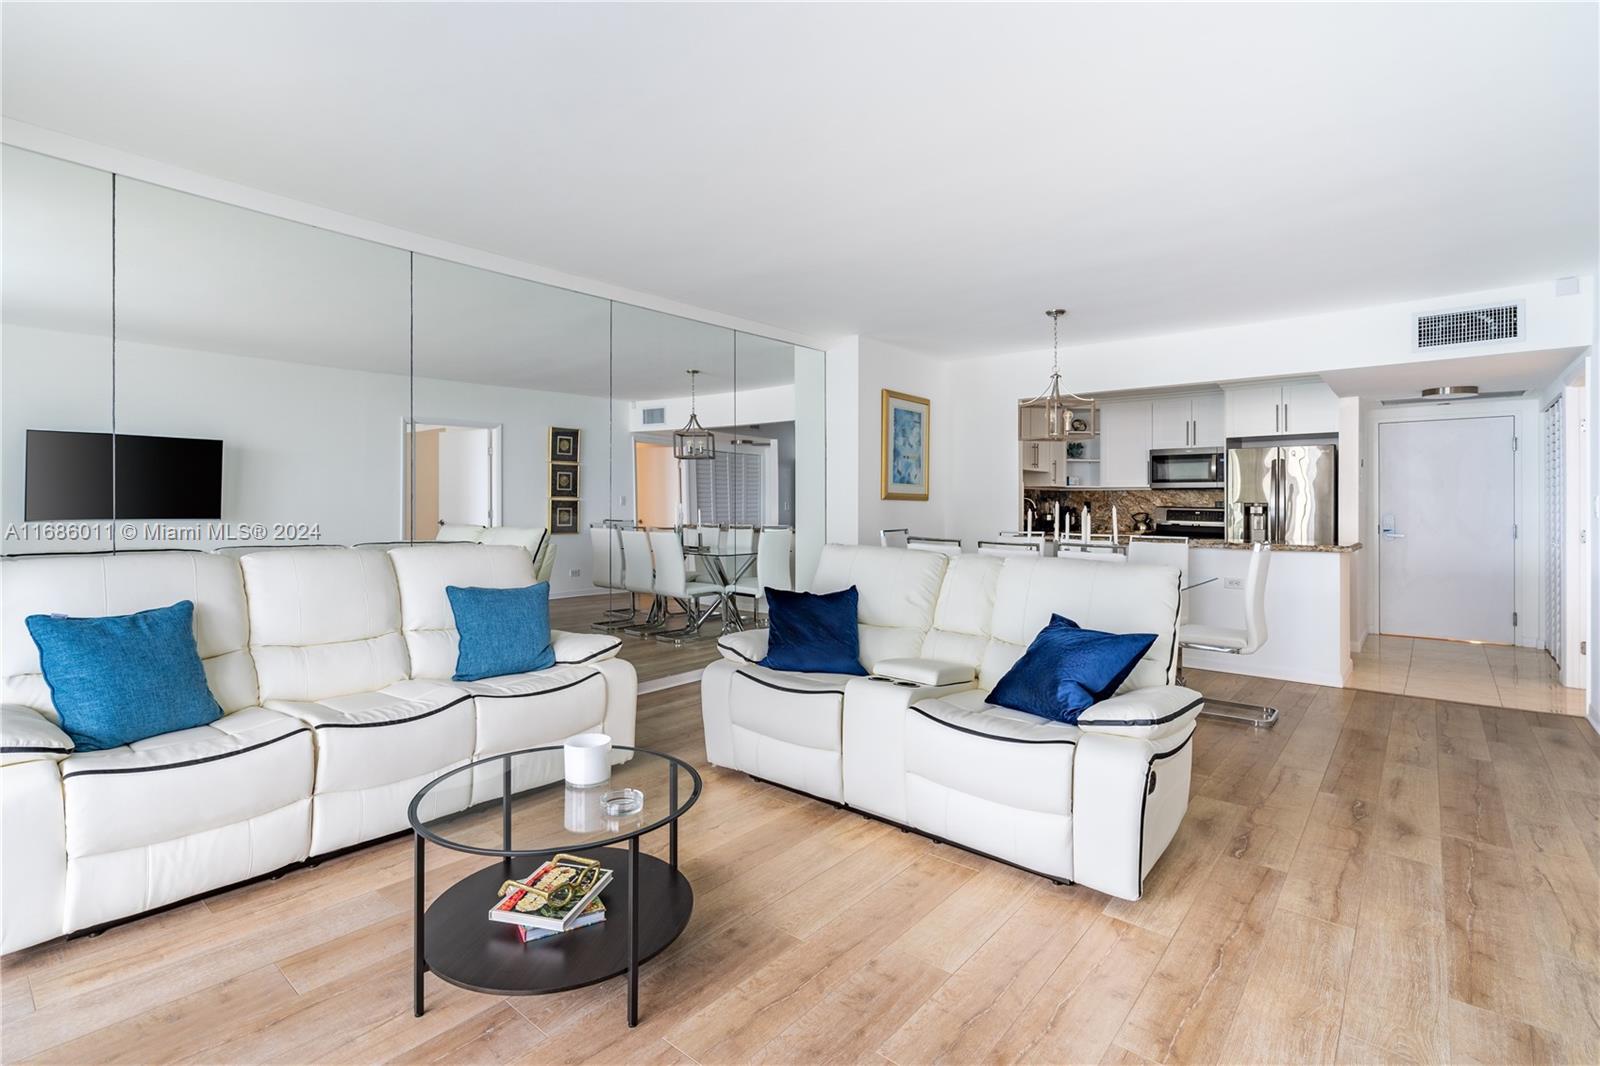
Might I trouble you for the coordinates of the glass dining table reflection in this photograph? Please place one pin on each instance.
(725, 568)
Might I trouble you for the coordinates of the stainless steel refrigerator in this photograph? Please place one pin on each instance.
(1283, 495)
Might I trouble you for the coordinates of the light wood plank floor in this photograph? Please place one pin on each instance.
(652, 658)
(1382, 878)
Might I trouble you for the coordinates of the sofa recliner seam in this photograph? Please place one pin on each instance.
(541, 692)
(1163, 720)
(586, 658)
(395, 721)
(796, 691)
(723, 647)
(185, 762)
(987, 736)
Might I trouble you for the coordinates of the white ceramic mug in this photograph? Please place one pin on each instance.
(588, 759)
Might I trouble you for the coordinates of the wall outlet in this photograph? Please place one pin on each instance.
(1235, 583)
(574, 573)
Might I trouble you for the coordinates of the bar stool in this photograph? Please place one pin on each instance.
(1244, 641)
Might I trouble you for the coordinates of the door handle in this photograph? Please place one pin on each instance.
(1277, 418)
(1286, 416)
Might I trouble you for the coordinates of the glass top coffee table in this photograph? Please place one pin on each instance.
(516, 808)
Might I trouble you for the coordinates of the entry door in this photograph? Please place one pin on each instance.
(1446, 541)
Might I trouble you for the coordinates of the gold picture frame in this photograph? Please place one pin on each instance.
(904, 439)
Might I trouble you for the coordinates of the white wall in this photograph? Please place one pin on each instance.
(302, 444)
(843, 428)
(887, 366)
(982, 444)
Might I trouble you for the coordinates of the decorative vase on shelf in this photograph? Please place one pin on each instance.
(1075, 449)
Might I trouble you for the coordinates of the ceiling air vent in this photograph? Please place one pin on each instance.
(1471, 326)
(653, 416)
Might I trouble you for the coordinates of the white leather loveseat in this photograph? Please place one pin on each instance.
(919, 745)
(331, 666)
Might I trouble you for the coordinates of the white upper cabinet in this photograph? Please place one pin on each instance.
(1206, 419)
(1310, 407)
(1254, 411)
(1169, 426)
(1125, 442)
(1299, 408)
(1186, 421)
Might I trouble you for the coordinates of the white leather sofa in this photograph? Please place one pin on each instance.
(331, 666)
(918, 744)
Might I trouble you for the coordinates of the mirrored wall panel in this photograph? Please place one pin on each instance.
(55, 354)
(261, 379)
(513, 416)
(184, 373)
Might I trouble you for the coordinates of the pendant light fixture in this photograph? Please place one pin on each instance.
(1054, 415)
(693, 441)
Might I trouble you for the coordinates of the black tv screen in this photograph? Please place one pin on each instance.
(69, 476)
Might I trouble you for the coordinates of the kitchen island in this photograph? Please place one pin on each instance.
(1308, 608)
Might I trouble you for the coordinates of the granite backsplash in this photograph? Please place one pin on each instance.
(1126, 501)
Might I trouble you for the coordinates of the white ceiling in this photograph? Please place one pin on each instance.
(1521, 371)
(934, 175)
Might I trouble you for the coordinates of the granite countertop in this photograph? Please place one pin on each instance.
(1227, 545)
(1230, 546)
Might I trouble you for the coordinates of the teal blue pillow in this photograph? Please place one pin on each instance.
(813, 632)
(126, 677)
(502, 631)
(1067, 670)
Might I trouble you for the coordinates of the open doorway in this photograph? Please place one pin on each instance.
(452, 477)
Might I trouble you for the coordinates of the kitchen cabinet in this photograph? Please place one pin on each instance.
(1169, 422)
(1035, 455)
(1206, 425)
(1044, 457)
(1310, 407)
(1125, 442)
(1298, 408)
(1186, 421)
(1254, 411)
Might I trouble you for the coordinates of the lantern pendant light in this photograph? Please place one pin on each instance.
(693, 441)
(1059, 409)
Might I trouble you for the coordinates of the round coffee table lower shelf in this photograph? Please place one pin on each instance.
(462, 946)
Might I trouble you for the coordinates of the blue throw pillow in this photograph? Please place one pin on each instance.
(502, 631)
(126, 677)
(1067, 670)
(811, 632)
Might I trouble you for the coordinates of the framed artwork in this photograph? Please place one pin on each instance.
(563, 445)
(905, 446)
(564, 480)
(563, 516)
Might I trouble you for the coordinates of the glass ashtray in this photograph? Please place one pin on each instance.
(621, 802)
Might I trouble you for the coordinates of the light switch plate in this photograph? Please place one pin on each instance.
(1235, 583)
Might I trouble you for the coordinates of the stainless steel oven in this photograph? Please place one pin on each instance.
(1188, 468)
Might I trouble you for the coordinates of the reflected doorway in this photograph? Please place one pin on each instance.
(452, 477)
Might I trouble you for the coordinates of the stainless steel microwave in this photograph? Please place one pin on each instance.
(1188, 468)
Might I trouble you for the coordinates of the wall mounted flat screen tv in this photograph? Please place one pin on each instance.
(69, 477)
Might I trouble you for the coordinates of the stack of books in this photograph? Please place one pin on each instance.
(563, 894)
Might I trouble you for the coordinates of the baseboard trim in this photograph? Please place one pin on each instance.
(661, 684)
(1247, 665)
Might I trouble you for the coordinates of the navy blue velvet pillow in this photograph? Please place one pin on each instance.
(502, 631)
(1067, 670)
(811, 632)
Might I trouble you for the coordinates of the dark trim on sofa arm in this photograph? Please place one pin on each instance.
(989, 736)
(185, 762)
(735, 651)
(587, 658)
(396, 721)
(1144, 801)
(1163, 720)
(525, 695)
(795, 691)
(22, 749)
